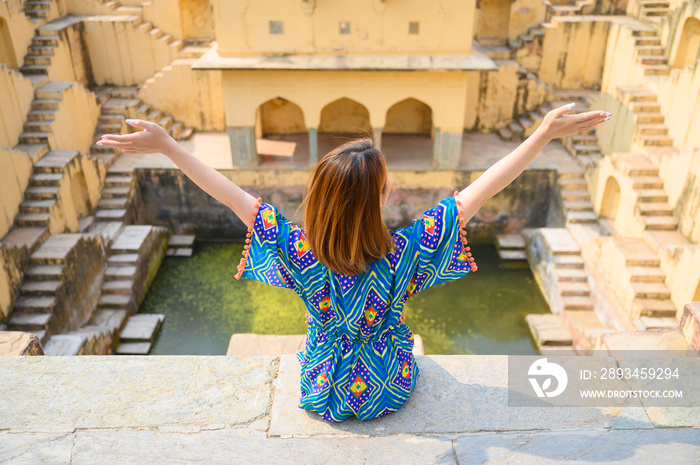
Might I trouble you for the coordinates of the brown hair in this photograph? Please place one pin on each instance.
(342, 208)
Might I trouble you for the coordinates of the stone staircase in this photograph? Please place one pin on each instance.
(556, 256)
(650, 53)
(576, 200)
(647, 298)
(37, 10)
(121, 103)
(139, 334)
(567, 8)
(650, 129)
(180, 245)
(652, 207)
(651, 10)
(511, 250)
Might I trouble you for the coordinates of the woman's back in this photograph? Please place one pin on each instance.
(358, 357)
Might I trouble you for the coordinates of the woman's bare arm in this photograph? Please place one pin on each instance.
(154, 139)
(504, 171)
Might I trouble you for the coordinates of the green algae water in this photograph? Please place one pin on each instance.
(480, 313)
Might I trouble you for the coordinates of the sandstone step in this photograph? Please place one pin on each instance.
(572, 302)
(512, 255)
(637, 253)
(645, 107)
(560, 242)
(572, 183)
(651, 322)
(655, 307)
(651, 195)
(568, 261)
(134, 348)
(40, 287)
(32, 219)
(34, 126)
(575, 288)
(45, 40)
(116, 106)
(569, 274)
(110, 192)
(141, 327)
(654, 208)
(578, 205)
(586, 148)
(575, 195)
(132, 238)
(44, 272)
(646, 274)
(581, 217)
(41, 192)
(34, 137)
(118, 287)
(660, 222)
(119, 181)
(55, 249)
(41, 115)
(20, 320)
(37, 206)
(652, 128)
(65, 344)
(187, 240)
(656, 139)
(35, 303)
(111, 214)
(656, 70)
(185, 134)
(45, 179)
(120, 272)
(34, 151)
(650, 117)
(548, 330)
(111, 318)
(175, 129)
(651, 290)
(127, 259)
(85, 222)
(178, 252)
(113, 202)
(115, 300)
(647, 182)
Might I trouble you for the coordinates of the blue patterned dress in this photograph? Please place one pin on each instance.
(358, 358)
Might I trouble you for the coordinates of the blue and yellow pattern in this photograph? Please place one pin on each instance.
(358, 360)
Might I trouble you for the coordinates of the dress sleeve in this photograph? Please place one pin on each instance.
(438, 247)
(275, 250)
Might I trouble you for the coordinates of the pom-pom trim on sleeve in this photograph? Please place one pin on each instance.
(463, 233)
(248, 238)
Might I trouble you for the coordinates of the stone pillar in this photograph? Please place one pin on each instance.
(447, 149)
(378, 137)
(243, 151)
(313, 147)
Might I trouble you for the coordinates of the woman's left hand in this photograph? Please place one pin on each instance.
(153, 138)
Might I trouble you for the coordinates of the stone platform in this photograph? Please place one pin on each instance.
(243, 409)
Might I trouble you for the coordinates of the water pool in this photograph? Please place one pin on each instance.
(203, 304)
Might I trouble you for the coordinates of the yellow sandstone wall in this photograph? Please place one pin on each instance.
(445, 93)
(16, 95)
(16, 168)
(575, 51)
(122, 53)
(75, 120)
(16, 32)
(376, 26)
(194, 97)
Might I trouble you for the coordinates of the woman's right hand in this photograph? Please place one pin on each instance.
(557, 124)
(153, 138)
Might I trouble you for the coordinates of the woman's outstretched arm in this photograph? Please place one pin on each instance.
(504, 171)
(154, 139)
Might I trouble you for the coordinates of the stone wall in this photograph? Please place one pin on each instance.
(169, 198)
(16, 95)
(16, 167)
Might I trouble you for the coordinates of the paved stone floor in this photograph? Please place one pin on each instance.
(242, 409)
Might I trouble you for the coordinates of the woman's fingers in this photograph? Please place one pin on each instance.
(114, 143)
(122, 137)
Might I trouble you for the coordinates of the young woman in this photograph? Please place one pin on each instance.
(354, 274)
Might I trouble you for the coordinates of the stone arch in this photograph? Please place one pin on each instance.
(689, 44)
(409, 116)
(344, 116)
(7, 53)
(611, 199)
(495, 18)
(279, 116)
